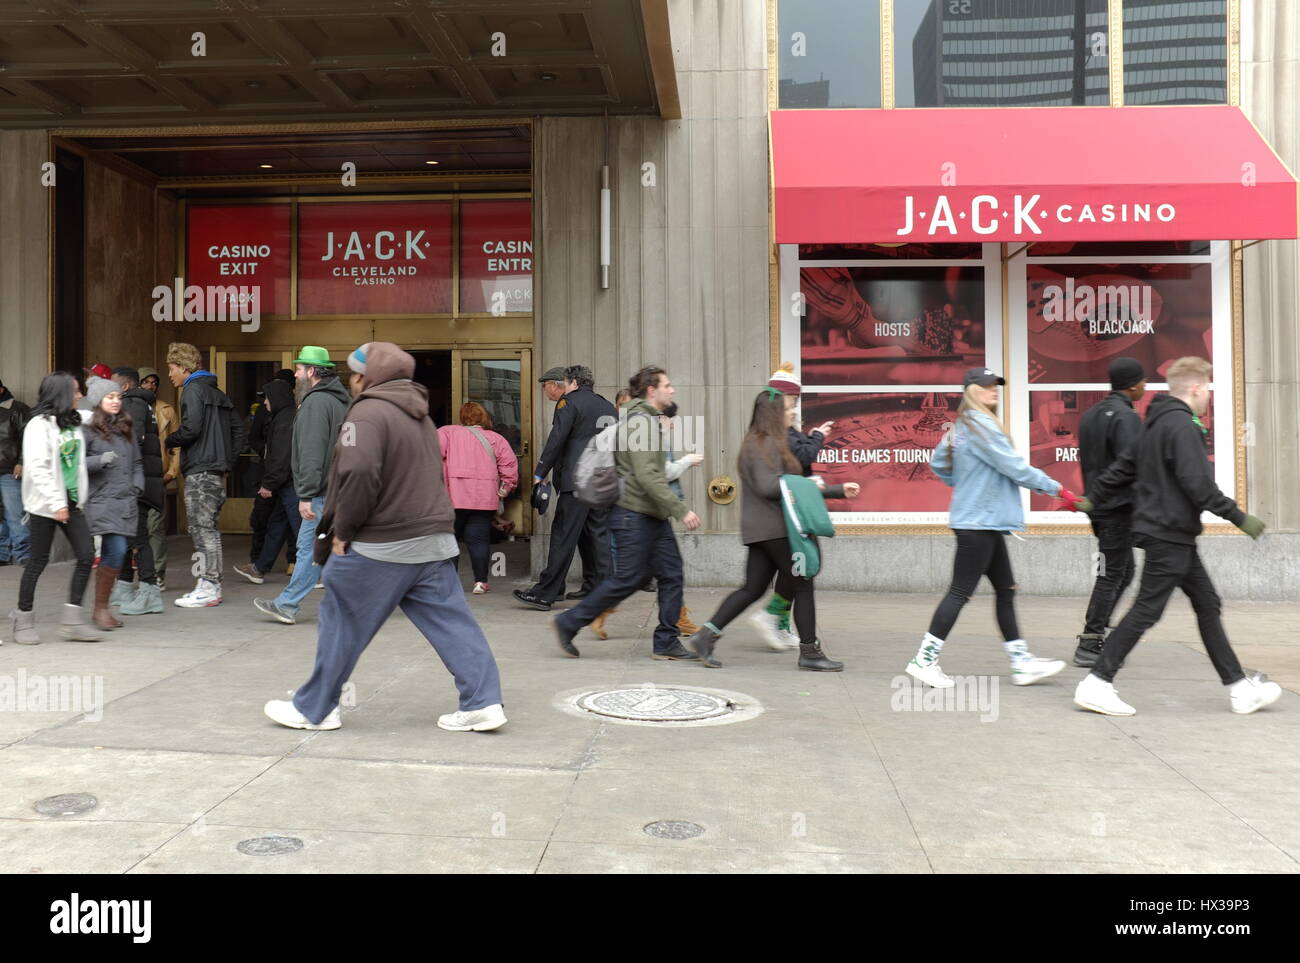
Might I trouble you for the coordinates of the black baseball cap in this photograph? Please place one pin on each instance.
(553, 374)
(984, 377)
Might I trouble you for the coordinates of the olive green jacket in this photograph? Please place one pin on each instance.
(640, 461)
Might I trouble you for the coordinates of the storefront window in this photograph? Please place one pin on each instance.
(1175, 51)
(829, 53)
(985, 53)
(882, 344)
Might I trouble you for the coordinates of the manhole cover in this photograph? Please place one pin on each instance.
(270, 845)
(655, 705)
(66, 804)
(673, 829)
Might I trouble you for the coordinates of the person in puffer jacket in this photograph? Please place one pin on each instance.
(976, 460)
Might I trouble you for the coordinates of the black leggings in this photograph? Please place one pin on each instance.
(42, 532)
(978, 554)
(765, 560)
(474, 528)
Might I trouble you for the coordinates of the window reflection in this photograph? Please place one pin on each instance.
(971, 53)
(829, 53)
(1175, 52)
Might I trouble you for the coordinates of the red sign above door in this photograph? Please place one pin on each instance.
(241, 245)
(375, 258)
(496, 256)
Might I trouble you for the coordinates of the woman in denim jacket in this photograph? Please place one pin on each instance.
(977, 461)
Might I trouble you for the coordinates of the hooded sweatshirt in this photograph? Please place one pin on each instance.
(1172, 478)
(385, 484)
(276, 472)
(315, 430)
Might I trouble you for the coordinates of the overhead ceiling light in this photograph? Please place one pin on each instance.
(252, 84)
(432, 162)
(265, 166)
(548, 76)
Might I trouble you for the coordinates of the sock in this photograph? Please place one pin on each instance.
(780, 607)
(1017, 652)
(712, 628)
(928, 653)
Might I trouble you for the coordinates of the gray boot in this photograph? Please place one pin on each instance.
(123, 592)
(147, 601)
(23, 625)
(75, 628)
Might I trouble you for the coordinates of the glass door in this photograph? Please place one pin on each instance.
(241, 375)
(501, 380)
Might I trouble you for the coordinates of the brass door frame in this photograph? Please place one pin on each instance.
(527, 458)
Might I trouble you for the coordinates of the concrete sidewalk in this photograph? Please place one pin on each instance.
(840, 772)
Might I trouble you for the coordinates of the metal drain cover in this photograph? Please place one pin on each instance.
(66, 804)
(673, 829)
(656, 705)
(270, 845)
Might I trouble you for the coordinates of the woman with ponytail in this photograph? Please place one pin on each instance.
(977, 461)
(55, 486)
(765, 456)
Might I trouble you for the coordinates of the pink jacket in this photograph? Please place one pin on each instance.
(472, 477)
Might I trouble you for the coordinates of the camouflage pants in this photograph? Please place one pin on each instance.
(205, 493)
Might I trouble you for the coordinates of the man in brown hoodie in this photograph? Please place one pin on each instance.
(386, 540)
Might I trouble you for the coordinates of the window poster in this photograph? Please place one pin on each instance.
(1054, 436)
(234, 246)
(891, 324)
(882, 441)
(1082, 316)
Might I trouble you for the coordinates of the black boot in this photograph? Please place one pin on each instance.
(702, 643)
(1089, 651)
(812, 657)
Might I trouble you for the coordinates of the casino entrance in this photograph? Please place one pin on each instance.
(257, 242)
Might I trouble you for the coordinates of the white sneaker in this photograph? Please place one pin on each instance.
(476, 720)
(204, 595)
(481, 588)
(1099, 695)
(286, 713)
(769, 627)
(930, 674)
(1027, 673)
(1250, 694)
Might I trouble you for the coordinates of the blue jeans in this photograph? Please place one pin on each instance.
(280, 528)
(641, 545)
(361, 593)
(306, 573)
(15, 541)
(112, 550)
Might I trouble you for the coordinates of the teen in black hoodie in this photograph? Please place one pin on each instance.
(1173, 483)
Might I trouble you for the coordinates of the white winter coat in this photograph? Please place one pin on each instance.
(43, 491)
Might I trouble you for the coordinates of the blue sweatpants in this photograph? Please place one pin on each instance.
(361, 593)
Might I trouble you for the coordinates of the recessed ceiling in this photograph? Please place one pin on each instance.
(102, 63)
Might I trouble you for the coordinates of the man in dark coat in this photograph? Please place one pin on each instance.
(1105, 431)
(266, 509)
(138, 403)
(13, 533)
(277, 480)
(579, 414)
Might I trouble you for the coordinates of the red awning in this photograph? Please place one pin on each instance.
(1027, 174)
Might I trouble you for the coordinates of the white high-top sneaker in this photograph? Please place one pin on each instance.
(1098, 695)
(205, 594)
(1033, 670)
(930, 674)
(1250, 694)
(769, 627)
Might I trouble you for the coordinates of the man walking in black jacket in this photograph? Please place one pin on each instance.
(1173, 482)
(1105, 431)
(277, 481)
(266, 511)
(579, 414)
(14, 539)
(138, 403)
(210, 437)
